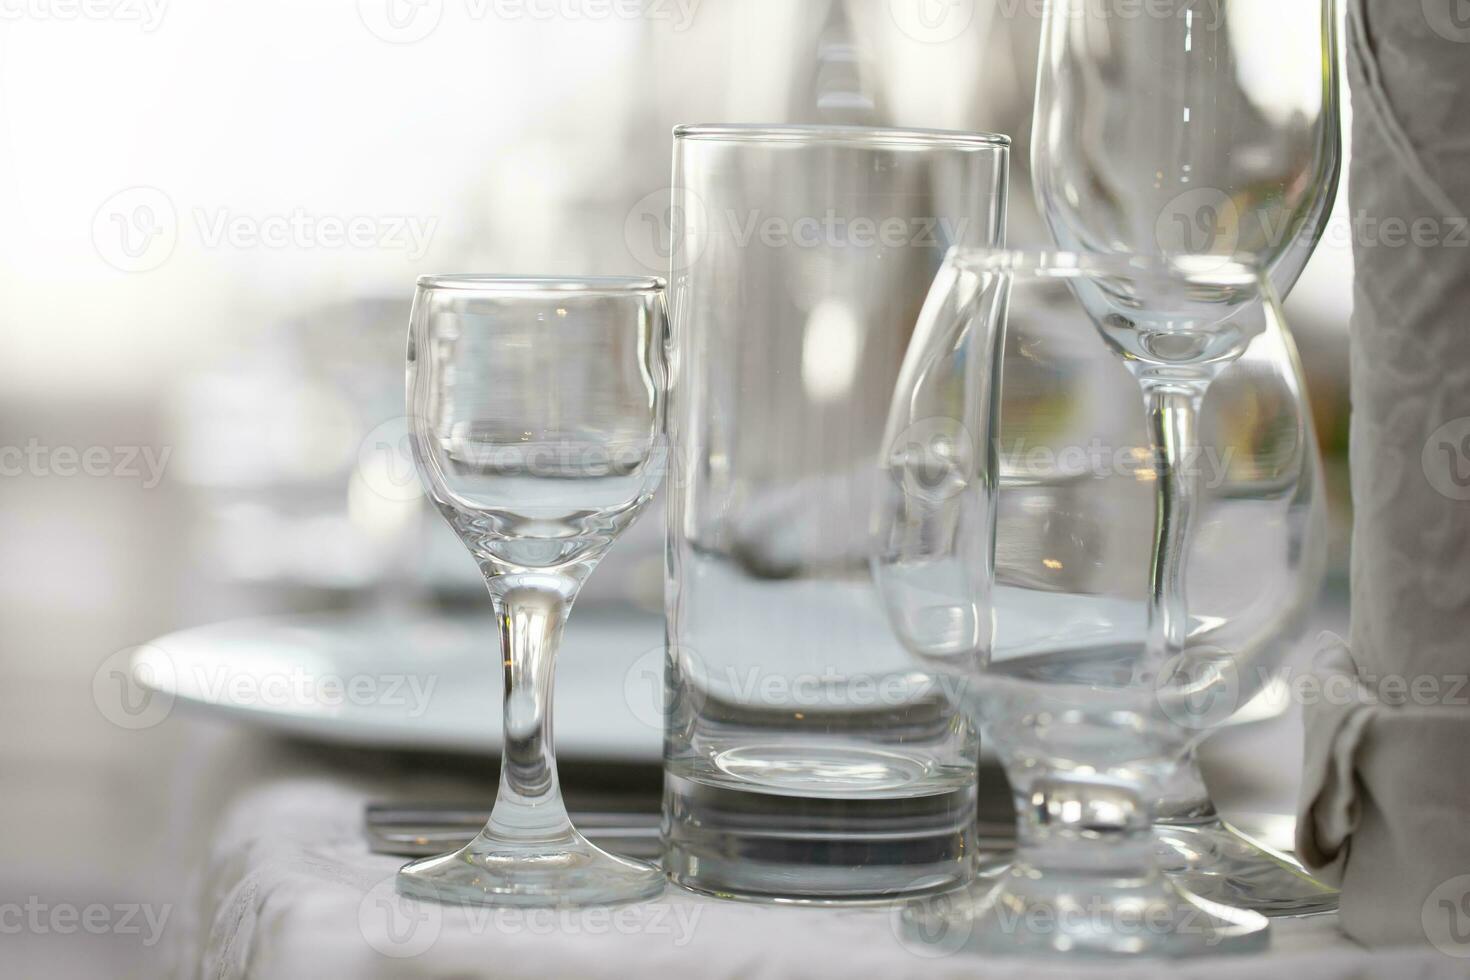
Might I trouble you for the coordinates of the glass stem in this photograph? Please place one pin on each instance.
(1069, 827)
(1184, 799)
(532, 610)
(1173, 413)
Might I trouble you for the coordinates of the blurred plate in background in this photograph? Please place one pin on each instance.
(423, 682)
(430, 681)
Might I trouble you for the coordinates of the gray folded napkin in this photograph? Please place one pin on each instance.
(1385, 811)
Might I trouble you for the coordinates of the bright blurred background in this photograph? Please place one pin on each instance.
(213, 214)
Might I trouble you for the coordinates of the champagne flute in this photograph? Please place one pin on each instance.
(536, 408)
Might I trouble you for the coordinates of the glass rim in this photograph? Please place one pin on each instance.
(821, 133)
(493, 283)
(1212, 270)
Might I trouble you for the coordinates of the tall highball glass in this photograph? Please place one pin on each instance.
(807, 758)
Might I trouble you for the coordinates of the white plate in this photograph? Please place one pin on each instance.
(426, 683)
(432, 682)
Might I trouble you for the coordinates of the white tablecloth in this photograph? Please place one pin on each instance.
(288, 889)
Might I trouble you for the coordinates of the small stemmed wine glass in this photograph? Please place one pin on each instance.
(536, 408)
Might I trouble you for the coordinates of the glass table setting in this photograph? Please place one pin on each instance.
(934, 506)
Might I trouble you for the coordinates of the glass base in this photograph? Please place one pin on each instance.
(569, 872)
(1216, 862)
(1021, 914)
(845, 825)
